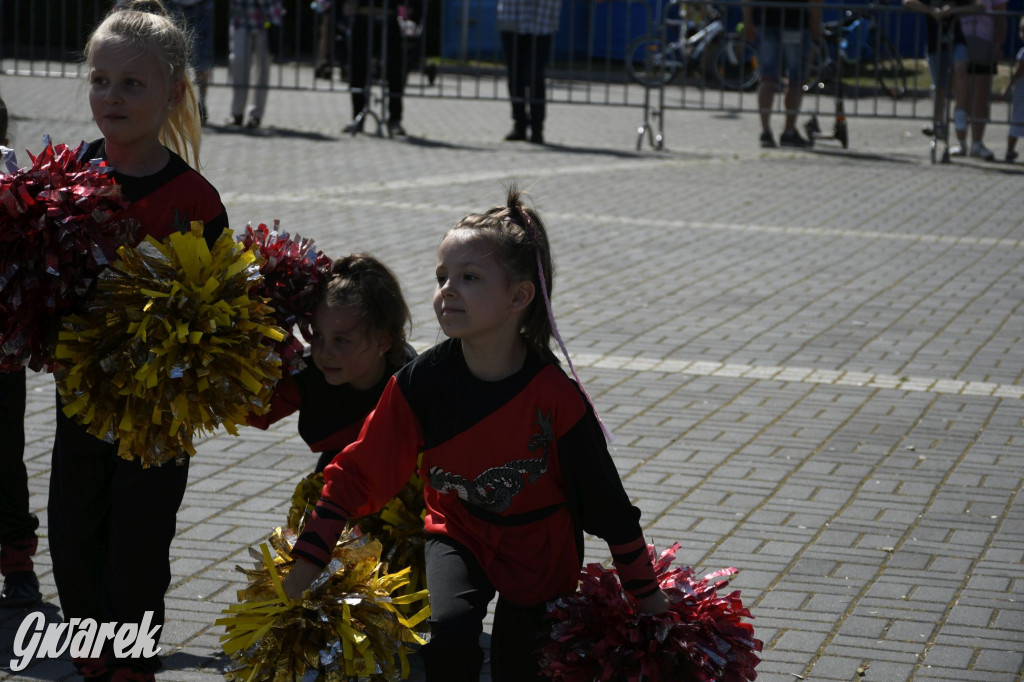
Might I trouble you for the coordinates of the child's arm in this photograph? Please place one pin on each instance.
(360, 480)
(601, 507)
(285, 401)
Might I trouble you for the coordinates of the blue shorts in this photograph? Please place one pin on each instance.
(940, 63)
(792, 52)
(198, 18)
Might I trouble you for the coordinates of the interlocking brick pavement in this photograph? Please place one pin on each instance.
(812, 361)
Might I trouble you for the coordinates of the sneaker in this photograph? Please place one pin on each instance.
(957, 150)
(767, 141)
(980, 151)
(395, 129)
(253, 122)
(235, 120)
(517, 135)
(791, 138)
(1011, 155)
(353, 128)
(20, 590)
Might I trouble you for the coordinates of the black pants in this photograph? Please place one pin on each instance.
(360, 64)
(17, 524)
(459, 595)
(111, 523)
(527, 58)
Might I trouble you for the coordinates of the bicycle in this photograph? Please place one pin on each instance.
(855, 41)
(707, 48)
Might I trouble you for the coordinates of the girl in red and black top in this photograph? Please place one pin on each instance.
(514, 459)
(111, 521)
(359, 330)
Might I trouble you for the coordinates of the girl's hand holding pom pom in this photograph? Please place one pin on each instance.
(298, 579)
(655, 603)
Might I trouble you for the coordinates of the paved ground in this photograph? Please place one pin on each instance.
(813, 362)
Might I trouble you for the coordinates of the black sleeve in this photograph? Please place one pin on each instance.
(596, 497)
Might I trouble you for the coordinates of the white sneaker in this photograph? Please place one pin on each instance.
(957, 150)
(980, 151)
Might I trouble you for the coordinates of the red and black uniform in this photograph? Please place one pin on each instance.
(330, 417)
(516, 471)
(111, 522)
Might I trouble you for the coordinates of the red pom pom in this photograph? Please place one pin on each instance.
(598, 634)
(56, 234)
(292, 270)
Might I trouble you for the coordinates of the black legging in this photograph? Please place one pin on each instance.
(111, 524)
(358, 70)
(459, 595)
(527, 58)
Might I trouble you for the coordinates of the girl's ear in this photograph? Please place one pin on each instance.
(177, 93)
(522, 295)
(384, 342)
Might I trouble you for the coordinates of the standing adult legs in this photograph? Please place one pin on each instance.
(240, 66)
(517, 636)
(261, 51)
(515, 61)
(538, 49)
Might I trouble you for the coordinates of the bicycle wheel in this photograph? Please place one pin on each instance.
(735, 63)
(648, 62)
(889, 69)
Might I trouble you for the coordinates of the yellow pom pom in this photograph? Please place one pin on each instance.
(170, 346)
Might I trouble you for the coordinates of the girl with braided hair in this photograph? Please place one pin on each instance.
(516, 465)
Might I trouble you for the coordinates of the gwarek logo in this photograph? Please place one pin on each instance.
(82, 638)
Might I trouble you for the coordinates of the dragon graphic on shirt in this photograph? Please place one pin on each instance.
(495, 488)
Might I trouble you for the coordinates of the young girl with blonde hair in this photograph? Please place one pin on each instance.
(111, 521)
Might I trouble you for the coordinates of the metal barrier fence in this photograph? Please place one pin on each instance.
(605, 52)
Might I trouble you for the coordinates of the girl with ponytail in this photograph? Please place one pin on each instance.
(515, 463)
(111, 521)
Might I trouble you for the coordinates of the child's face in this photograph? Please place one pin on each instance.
(474, 297)
(344, 349)
(130, 94)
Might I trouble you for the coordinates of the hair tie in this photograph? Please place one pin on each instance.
(527, 224)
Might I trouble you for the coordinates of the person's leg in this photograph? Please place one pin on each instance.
(771, 57)
(459, 595)
(795, 55)
(518, 634)
(78, 515)
(536, 71)
(18, 541)
(359, 61)
(514, 60)
(396, 73)
(261, 52)
(137, 571)
(961, 95)
(981, 89)
(239, 66)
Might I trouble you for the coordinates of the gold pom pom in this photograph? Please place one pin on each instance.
(171, 345)
(347, 623)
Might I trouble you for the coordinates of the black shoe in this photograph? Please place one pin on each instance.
(353, 128)
(20, 589)
(235, 120)
(395, 129)
(791, 138)
(253, 122)
(517, 135)
(537, 137)
(767, 141)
